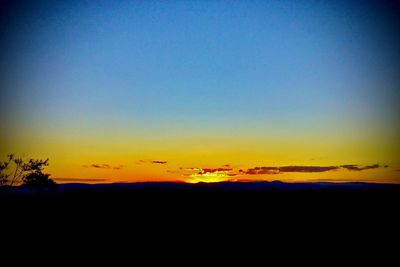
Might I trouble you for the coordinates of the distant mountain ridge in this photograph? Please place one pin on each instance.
(235, 185)
(220, 186)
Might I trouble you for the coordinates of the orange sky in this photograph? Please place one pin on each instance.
(116, 157)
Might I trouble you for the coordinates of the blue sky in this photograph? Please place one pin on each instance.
(203, 60)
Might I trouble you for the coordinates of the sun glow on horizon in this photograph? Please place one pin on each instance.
(209, 177)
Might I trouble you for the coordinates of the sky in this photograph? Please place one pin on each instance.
(129, 91)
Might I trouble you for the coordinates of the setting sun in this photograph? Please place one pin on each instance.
(209, 177)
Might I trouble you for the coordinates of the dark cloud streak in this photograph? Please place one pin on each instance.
(80, 180)
(142, 161)
(104, 166)
(159, 162)
(353, 167)
(306, 169)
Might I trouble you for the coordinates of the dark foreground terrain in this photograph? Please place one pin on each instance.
(259, 198)
(264, 210)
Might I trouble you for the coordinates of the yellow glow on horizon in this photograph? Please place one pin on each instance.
(208, 177)
(186, 153)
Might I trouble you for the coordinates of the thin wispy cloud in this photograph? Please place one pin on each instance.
(283, 169)
(306, 169)
(190, 169)
(229, 171)
(104, 166)
(227, 166)
(195, 174)
(159, 162)
(353, 167)
(208, 172)
(80, 180)
(260, 170)
(142, 161)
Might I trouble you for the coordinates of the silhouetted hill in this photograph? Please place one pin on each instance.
(237, 187)
(267, 188)
(157, 194)
(229, 204)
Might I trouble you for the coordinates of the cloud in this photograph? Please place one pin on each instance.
(159, 162)
(227, 171)
(208, 172)
(117, 167)
(353, 167)
(142, 161)
(306, 169)
(227, 166)
(79, 180)
(260, 170)
(100, 166)
(104, 166)
(190, 171)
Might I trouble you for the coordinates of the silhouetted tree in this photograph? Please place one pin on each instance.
(28, 173)
(38, 180)
(34, 176)
(3, 175)
(8, 177)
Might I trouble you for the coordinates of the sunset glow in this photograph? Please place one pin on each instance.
(202, 91)
(208, 177)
